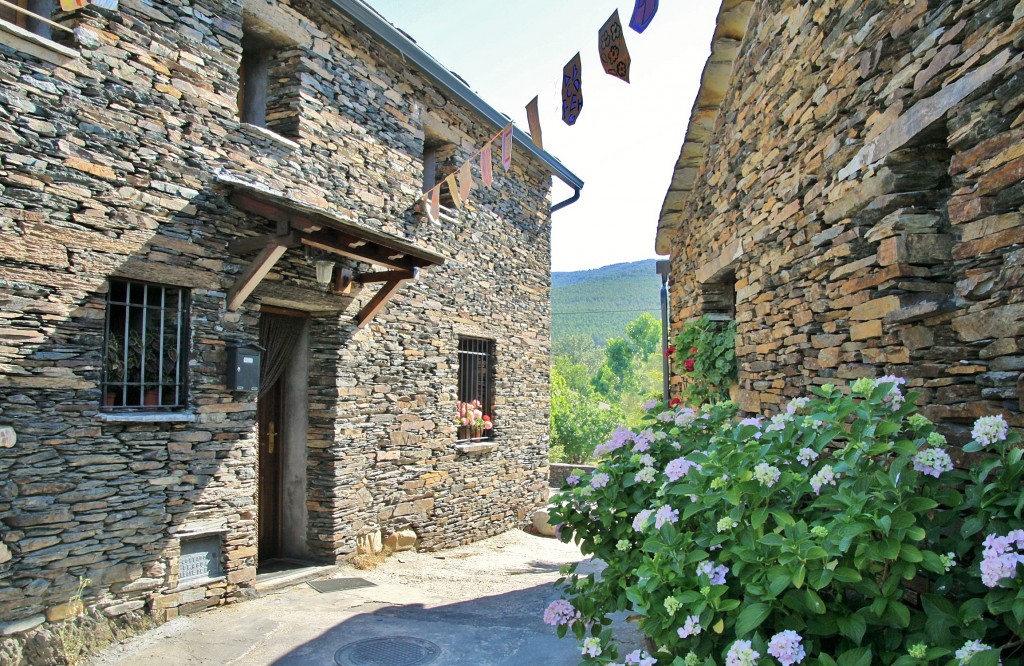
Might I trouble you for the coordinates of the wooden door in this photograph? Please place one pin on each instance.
(268, 521)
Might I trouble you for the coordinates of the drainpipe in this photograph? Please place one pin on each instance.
(571, 200)
(664, 267)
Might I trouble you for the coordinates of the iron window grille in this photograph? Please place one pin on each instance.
(476, 379)
(145, 339)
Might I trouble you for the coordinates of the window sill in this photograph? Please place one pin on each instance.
(34, 45)
(146, 417)
(476, 447)
(264, 133)
(194, 583)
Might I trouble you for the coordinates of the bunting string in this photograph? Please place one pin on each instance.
(460, 183)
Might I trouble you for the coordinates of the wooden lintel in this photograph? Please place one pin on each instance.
(385, 276)
(254, 274)
(378, 302)
(329, 242)
(253, 243)
(287, 312)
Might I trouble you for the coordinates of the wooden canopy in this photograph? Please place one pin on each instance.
(302, 224)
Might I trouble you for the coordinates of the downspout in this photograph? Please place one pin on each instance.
(663, 268)
(571, 200)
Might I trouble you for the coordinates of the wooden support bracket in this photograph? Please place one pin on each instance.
(385, 276)
(253, 243)
(254, 274)
(378, 302)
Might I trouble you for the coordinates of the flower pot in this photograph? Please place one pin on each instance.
(151, 397)
(109, 398)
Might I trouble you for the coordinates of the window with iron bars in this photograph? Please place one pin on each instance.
(144, 348)
(476, 386)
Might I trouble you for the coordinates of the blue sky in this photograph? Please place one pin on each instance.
(627, 139)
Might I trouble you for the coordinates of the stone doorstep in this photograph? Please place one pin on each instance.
(277, 581)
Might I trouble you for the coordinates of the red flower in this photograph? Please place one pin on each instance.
(669, 351)
(673, 402)
(693, 350)
(688, 364)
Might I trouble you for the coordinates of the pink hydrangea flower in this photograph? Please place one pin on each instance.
(785, 646)
(560, 612)
(679, 468)
(666, 514)
(690, 628)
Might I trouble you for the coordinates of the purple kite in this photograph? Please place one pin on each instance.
(572, 91)
(643, 14)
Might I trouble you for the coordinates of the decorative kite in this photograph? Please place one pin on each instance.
(572, 91)
(465, 179)
(434, 204)
(453, 188)
(643, 14)
(70, 5)
(612, 45)
(506, 146)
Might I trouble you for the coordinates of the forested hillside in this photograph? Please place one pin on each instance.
(598, 303)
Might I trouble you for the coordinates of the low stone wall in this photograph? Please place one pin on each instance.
(560, 472)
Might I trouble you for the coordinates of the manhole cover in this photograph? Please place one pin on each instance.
(388, 651)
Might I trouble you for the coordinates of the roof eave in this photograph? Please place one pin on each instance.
(368, 19)
(730, 29)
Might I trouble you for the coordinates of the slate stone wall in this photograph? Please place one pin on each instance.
(864, 184)
(109, 168)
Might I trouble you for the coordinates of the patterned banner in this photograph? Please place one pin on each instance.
(465, 181)
(69, 5)
(643, 14)
(506, 146)
(533, 117)
(612, 46)
(434, 205)
(572, 91)
(486, 175)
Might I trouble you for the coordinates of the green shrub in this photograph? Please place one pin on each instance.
(835, 533)
(705, 356)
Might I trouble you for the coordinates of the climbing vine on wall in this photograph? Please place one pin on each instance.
(705, 355)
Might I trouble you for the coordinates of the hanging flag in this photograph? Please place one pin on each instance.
(643, 14)
(612, 46)
(486, 176)
(506, 147)
(69, 5)
(465, 181)
(434, 204)
(572, 91)
(533, 117)
(454, 189)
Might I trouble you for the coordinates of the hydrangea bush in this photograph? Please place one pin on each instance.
(835, 533)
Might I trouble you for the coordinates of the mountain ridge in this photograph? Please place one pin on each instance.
(599, 302)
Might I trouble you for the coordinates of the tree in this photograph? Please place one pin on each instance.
(579, 350)
(580, 420)
(645, 334)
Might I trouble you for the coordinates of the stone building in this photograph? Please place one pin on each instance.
(850, 191)
(183, 181)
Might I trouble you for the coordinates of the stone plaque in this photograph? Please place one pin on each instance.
(8, 438)
(200, 558)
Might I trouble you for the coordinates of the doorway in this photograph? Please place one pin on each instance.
(282, 427)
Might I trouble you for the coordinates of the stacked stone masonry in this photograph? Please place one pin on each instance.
(863, 180)
(114, 164)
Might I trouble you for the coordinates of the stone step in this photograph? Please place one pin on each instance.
(280, 580)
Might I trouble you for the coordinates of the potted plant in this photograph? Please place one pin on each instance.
(114, 368)
(470, 416)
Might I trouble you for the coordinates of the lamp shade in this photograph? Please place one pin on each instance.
(324, 272)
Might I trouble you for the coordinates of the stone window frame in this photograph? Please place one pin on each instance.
(269, 33)
(473, 347)
(35, 37)
(440, 157)
(172, 377)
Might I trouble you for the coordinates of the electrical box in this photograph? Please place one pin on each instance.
(244, 367)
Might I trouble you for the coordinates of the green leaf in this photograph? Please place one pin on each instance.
(972, 447)
(847, 575)
(853, 627)
(986, 658)
(751, 618)
(899, 613)
(919, 504)
(758, 517)
(856, 657)
(798, 576)
(772, 540)
(814, 602)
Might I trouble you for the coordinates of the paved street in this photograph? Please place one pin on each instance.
(480, 604)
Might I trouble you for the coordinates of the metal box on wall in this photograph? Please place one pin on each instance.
(244, 367)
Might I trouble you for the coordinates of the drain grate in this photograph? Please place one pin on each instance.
(388, 651)
(338, 584)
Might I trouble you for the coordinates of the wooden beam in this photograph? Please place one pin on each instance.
(253, 243)
(385, 276)
(287, 312)
(329, 242)
(254, 274)
(274, 213)
(378, 302)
